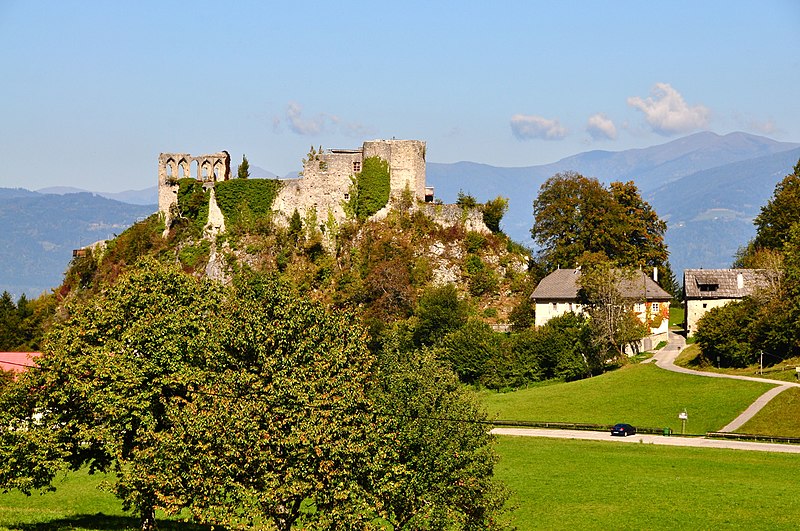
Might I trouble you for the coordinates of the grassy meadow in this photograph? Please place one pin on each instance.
(571, 484)
(79, 503)
(779, 418)
(642, 395)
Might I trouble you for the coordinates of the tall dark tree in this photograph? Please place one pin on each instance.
(243, 171)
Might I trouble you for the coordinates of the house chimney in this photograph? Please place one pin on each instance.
(739, 281)
(655, 274)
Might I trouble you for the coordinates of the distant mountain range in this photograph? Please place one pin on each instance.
(41, 230)
(707, 187)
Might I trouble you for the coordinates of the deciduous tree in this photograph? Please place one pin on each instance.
(576, 215)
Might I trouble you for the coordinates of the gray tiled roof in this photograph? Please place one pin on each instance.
(563, 284)
(723, 283)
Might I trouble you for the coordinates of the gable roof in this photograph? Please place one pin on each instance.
(17, 361)
(564, 284)
(724, 283)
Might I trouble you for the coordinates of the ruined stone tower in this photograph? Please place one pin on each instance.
(326, 179)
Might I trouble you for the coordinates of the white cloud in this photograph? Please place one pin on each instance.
(299, 124)
(526, 127)
(600, 127)
(762, 127)
(667, 112)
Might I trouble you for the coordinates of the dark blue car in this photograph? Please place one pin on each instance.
(623, 430)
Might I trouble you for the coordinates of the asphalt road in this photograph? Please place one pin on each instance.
(696, 442)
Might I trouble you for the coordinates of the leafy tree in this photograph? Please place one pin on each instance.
(613, 322)
(290, 426)
(9, 322)
(780, 213)
(439, 455)
(565, 348)
(722, 334)
(493, 212)
(245, 406)
(642, 231)
(243, 171)
(108, 373)
(466, 200)
(439, 311)
(470, 348)
(575, 215)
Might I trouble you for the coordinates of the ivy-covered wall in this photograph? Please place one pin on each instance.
(246, 195)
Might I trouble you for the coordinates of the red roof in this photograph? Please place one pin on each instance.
(18, 361)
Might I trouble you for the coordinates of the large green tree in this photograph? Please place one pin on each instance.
(246, 406)
(108, 373)
(576, 215)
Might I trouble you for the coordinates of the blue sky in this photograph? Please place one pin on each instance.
(92, 92)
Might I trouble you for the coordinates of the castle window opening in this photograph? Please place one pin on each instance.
(346, 196)
(356, 166)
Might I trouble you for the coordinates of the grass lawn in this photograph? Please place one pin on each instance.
(642, 395)
(784, 370)
(780, 417)
(77, 504)
(676, 316)
(570, 484)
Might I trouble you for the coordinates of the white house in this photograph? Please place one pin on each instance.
(557, 294)
(704, 289)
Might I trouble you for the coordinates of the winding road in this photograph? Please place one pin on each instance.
(665, 359)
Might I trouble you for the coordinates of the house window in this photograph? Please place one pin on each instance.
(705, 305)
(654, 307)
(356, 166)
(708, 287)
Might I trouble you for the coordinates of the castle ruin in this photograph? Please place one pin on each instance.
(174, 166)
(325, 184)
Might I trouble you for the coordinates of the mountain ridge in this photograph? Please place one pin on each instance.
(708, 187)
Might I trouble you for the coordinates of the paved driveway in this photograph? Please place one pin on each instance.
(696, 442)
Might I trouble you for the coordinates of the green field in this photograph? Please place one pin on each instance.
(642, 395)
(780, 417)
(570, 484)
(77, 504)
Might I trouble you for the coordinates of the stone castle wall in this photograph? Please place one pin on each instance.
(325, 184)
(174, 166)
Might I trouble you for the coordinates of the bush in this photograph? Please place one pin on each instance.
(439, 312)
(470, 348)
(722, 334)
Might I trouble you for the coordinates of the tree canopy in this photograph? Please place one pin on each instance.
(780, 213)
(245, 405)
(768, 321)
(576, 215)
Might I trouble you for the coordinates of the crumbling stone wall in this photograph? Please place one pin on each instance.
(174, 166)
(324, 185)
(327, 177)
